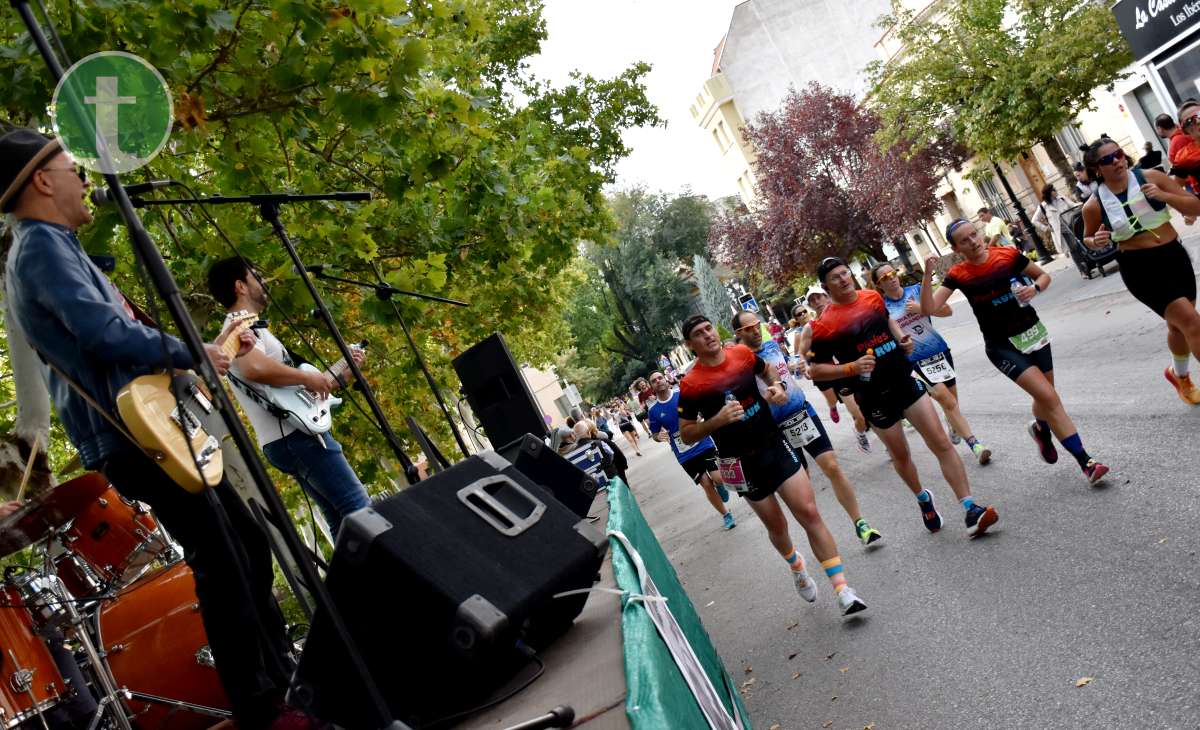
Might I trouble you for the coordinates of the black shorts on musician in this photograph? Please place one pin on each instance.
(766, 470)
(1158, 276)
(928, 383)
(885, 407)
(1012, 362)
(701, 464)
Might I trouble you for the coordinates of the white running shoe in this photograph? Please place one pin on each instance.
(849, 602)
(863, 444)
(954, 437)
(805, 585)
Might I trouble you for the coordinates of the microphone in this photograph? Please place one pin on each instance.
(104, 196)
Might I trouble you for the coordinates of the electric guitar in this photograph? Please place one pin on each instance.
(164, 428)
(296, 404)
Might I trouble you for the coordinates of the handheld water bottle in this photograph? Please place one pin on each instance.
(1013, 287)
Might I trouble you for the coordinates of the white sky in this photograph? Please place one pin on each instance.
(677, 38)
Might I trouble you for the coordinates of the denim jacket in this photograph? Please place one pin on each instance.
(72, 314)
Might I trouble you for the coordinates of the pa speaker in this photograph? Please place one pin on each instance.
(446, 588)
(498, 393)
(569, 484)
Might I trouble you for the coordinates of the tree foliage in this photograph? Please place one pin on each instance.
(1003, 74)
(715, 302)
(826, 188)
(484, 178)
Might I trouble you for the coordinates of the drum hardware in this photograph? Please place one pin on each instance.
(204, 657)
(21, 682)
(106, 688)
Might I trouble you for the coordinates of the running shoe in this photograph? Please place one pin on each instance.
(861, 441)
(805, 586)
(866, 533)
(723, 493)
(1188, 392)
(983, 453)
(1094, 471)
(849, 601)
(1045, 444)
(929, 515)
(834, 415)
(730, 523)
(979, 519)
(954, 437)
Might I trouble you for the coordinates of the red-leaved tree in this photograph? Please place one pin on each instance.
(826, 188)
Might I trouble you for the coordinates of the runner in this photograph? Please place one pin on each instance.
(801, 425)
(698, 460)
(625, 423)
(755, 459)
(856, 331)
(1014, 338)
(833, 390)
(931, 354)
(1130, 207)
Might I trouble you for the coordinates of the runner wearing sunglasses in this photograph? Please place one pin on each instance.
(997, 283)
(1132, 209)
(755, 460)
(801, 425)
(868, 347)
(931, 357)
(833, 390)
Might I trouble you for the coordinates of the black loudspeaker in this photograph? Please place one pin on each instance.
(498, 393)
(569, 484)
(446, 589)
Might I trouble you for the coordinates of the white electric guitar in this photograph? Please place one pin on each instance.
(296, 404)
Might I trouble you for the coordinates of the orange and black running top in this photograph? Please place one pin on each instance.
(988, 287)
(702, 392)
(846, 331)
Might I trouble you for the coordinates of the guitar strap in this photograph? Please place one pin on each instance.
(95, 405)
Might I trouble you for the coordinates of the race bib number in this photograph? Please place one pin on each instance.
(680, 446)
(936, 369)
(732, 475)
(1034, 338)
(800, 430)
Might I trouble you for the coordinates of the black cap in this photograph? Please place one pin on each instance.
(828, 265)
(22, 152)
(692, 323)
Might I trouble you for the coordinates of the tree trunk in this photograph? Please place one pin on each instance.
(1061, 163)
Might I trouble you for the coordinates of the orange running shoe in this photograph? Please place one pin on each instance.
(1188, 392)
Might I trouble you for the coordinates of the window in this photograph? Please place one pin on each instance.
(1181, 74)
(1070, 140)
(995, 201)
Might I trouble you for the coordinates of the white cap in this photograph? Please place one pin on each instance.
(814, 289)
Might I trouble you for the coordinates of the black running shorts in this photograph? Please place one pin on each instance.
(767, 469)
(818, 445)
(700, 464)
(1158, 276)
(885, 407)
(629, 427)
(1012, 362)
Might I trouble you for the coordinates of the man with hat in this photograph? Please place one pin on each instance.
(82, 326)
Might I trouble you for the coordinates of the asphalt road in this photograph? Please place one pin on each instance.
(1075, 582)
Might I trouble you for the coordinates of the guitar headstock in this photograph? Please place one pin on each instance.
(239, 322)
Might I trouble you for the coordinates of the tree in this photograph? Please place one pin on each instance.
(826, 188)
(1004, 75)
(714, 297)
(484, 178)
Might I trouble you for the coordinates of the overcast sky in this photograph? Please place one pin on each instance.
(677, 38)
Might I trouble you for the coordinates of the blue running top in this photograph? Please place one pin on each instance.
(665, 414)
(926, 340)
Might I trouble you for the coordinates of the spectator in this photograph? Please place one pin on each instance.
(995, 230)
(776, 331)
(1084, 186)
(1151, 158)
(1048, 216)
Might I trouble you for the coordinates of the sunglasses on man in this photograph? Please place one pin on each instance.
(1190, 121)
(1111, 158)
(887, 276)
(75, 168)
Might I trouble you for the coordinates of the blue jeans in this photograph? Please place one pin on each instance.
(323, 473)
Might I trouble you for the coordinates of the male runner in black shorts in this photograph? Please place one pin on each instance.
(755, 460)
(855, 329)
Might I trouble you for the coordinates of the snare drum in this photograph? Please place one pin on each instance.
(156, 645)
(29, 679)
(108, 545)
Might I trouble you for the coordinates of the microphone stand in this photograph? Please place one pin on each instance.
(385, 292)
(168, 290)
(268, 205)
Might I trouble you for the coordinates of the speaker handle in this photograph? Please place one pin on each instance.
(489, 509)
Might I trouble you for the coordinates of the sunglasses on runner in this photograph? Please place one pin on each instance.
(1190, 121)
(887, 276)
(1110, 158)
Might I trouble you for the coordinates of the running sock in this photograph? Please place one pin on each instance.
(835, 571)
(971, 441)
(967, 502)
(1075, 446)
(1181, 363)
(794, 561)
(924, 496)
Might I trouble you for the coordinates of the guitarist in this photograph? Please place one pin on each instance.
(81, 325)
(316, 462)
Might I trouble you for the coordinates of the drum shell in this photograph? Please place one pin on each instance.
(24, 649)
(115, 538)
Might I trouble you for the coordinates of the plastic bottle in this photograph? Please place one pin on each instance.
(867, 376)
(729, 398)
(1013, 287)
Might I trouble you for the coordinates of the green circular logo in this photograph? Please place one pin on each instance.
(112, 102)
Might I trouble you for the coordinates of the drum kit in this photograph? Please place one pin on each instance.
(115, 588)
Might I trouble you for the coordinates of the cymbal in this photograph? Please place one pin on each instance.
(41, 515)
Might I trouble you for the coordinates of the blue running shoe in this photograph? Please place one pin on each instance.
(929, 514)
(979, 519)
(730, 523)
(723, 492)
